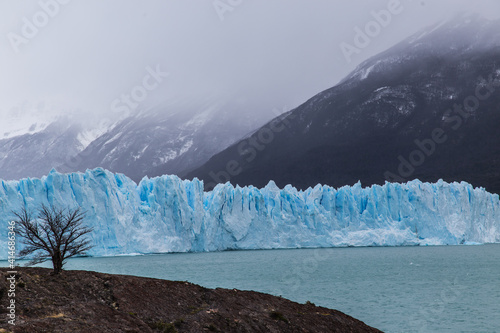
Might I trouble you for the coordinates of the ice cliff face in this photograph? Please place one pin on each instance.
(167, 214)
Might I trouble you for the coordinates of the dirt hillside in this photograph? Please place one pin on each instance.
(82, 301)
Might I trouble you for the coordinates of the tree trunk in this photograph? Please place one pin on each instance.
(57, 262)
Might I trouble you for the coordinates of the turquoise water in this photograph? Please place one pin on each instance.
(395, 289)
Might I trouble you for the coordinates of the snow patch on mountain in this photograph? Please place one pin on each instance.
(200, 119)
(87, 136)
(26, 119)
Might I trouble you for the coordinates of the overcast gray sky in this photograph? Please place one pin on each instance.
(84, 54)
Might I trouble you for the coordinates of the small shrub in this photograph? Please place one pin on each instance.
(278, 316)
(211, 328)
(178, 322)
(170, 329)
(194, 309)
(163, 327)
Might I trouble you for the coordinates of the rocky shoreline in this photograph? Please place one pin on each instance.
(84, 301)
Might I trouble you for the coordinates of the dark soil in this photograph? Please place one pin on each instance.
(82, 301)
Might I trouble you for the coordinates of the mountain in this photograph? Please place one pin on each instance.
(427, 108)
(167, 214)
(172, 138)
(35, 152)
(35, 137)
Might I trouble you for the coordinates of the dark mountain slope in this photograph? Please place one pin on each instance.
(400, 115)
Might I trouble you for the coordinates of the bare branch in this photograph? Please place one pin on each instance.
(56, 234)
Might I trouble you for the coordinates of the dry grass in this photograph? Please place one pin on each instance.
(58, 315)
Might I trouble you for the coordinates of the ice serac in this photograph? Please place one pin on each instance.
(167, 214)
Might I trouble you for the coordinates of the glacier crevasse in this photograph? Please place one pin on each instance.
(167, 214)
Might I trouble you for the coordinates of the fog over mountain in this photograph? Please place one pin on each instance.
(89, 53)
(75, 72)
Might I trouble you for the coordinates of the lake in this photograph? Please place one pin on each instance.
(395, 289)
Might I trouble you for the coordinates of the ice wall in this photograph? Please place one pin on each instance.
(167, 214)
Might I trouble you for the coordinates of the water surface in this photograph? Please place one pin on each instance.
(395, 289)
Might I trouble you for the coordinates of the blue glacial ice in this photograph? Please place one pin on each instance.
(167, 214)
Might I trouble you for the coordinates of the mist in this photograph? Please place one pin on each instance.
(85, 57)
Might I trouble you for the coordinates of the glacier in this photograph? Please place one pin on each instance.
(168, 214)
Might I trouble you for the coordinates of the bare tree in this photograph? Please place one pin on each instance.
(56, 234)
